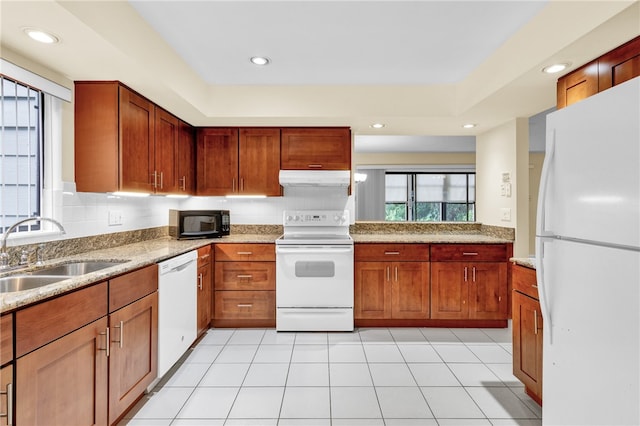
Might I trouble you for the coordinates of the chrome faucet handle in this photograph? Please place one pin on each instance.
(39, 254)
(24, 257)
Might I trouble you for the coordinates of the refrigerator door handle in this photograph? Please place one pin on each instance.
(542, 291)
(541, 226)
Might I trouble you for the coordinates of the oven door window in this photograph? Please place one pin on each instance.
(315, 269)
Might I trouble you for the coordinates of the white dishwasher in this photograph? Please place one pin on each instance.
(177, 308)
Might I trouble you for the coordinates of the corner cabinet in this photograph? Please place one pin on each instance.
(243, 161)
(123, 141)
(469, 281)
(391, 281)
(326, 148)
(527, 331)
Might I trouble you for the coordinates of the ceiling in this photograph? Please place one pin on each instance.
(423, 68)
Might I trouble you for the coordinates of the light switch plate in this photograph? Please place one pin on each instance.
(505, 215)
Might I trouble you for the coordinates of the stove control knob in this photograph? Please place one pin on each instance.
(289, 218)
(339, 218)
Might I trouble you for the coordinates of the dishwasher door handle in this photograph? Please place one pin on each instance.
(181, 267)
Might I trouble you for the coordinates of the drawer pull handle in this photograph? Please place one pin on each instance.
(204, 256)
(245, 305)
(315, 166)
(245, 253)
(392, 252)
(534, 286)
(245, 276)
(9, 413)
(469, 253)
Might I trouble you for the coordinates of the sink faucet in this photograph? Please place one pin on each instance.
(4, 256)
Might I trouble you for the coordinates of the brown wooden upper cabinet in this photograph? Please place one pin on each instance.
(326, 148)
(123, 141)
(610, 69)
(242, 161)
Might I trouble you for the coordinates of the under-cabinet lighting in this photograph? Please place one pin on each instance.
(130, 194)
(177, 196)
(245, 196)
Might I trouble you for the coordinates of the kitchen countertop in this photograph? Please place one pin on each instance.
(134, 256)
(429, 238)
(144, 253)
(528, 262)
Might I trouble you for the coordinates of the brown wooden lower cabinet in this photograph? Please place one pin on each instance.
(391, 290)
(6, 395)
(66, 381)
(87, 369)
(133, 353)
(469, 290)
(527, 331)
(205, 289)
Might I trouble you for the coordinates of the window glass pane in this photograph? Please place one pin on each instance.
(20, 152)
(395, 212)
(428, 212)
(472, 188)
(430, 187)
(395, 188)
(456, 212)
(456, 188)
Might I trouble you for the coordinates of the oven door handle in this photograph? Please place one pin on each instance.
(313, 249)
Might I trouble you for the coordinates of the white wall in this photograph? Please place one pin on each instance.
(504, 149)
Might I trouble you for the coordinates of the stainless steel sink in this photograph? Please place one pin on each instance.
(27, 282)
(75, 268)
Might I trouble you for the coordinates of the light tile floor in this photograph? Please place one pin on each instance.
(373, 376)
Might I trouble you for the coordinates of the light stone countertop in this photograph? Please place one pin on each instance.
(528, 262)
(429, 238)
(134, 256)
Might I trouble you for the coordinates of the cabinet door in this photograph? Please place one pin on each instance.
(410, 290)
(259, 158)
(137, 129)
(186, 159)
(619, 65)
(487, 283)
(217, 161)
(449, 291)
(578, 85)
(204, 296)
(65, 382)
(372, 290)
(134, 349)
(316, 148)
(6, 396)
(527, 342)
(166, 152)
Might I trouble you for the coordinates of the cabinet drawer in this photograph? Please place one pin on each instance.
(6, 338)
(524, 280)
(132, 286)
(245, 252)
(391, 252)
(245, 276)
(204, 255)
(45, 322)
(469, 252)
(245, 305)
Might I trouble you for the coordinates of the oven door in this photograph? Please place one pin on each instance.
(314, 276)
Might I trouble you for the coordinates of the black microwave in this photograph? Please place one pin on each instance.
(191, 224)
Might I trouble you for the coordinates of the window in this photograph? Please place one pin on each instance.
(430, 197)
(21, 149)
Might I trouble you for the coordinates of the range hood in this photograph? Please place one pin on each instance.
(315, 178)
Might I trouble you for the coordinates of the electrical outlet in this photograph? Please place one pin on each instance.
(115, 217)
(506, 215)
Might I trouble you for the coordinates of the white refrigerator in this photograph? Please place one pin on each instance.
(588, 261)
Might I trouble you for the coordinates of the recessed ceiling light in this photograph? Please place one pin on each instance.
(260, 60)
(552, 69)
(377, 125)
(41, 36)
(469, 125)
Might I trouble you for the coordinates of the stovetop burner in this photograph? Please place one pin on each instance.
(327, 227)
